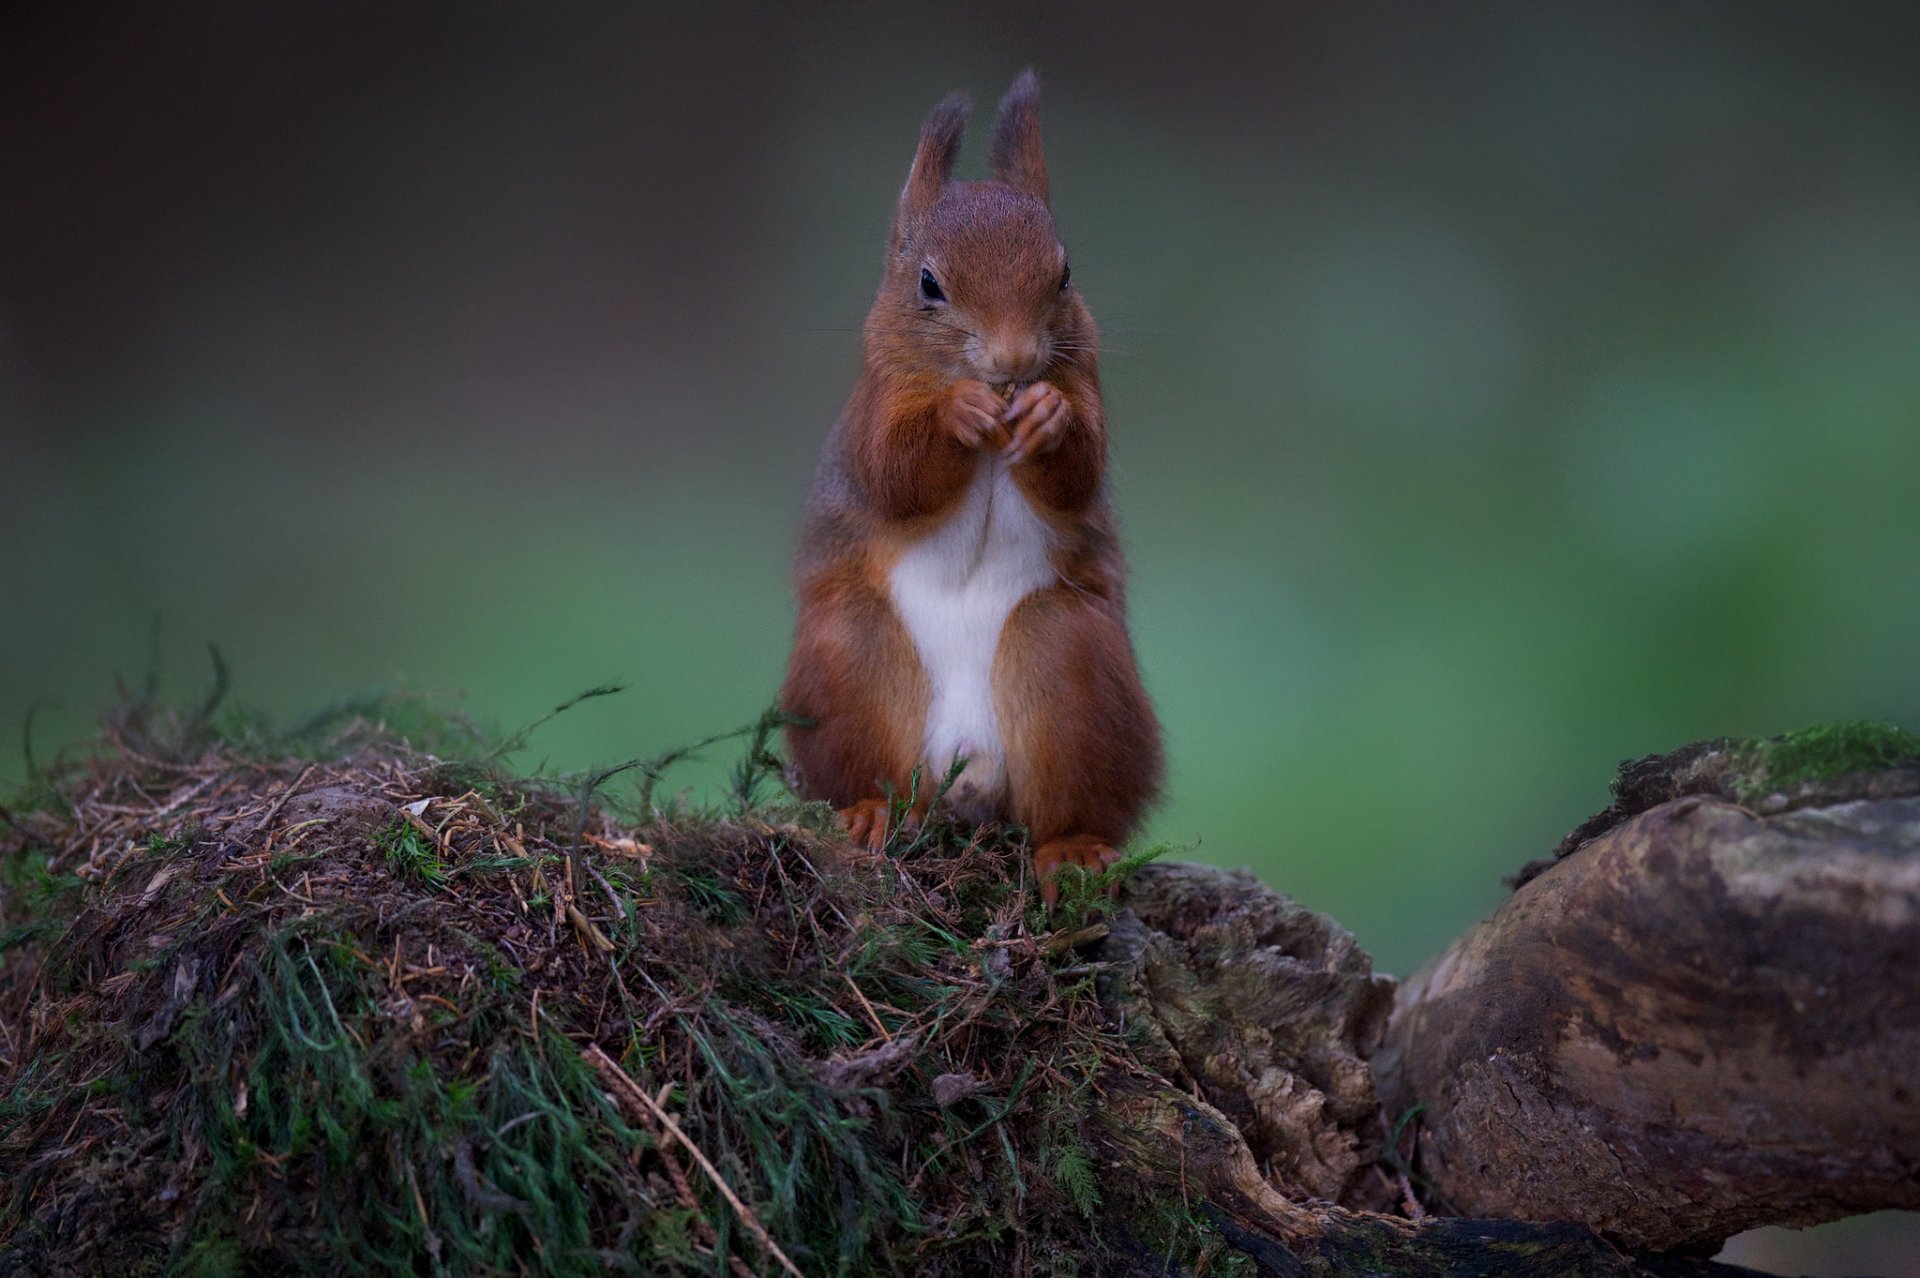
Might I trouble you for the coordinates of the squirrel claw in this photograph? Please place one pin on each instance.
(1036, 417)
(972, 413)
(1083, 850)
(870, 824)
(866, 823)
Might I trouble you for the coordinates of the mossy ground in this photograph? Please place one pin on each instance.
(325, 1002)
(358, 999)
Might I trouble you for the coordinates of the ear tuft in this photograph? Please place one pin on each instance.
(1017, 158)
(933, 160)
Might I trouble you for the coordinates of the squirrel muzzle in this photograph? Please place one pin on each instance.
(1010, 359)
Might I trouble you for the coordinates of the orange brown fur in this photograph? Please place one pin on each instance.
(1081, 745)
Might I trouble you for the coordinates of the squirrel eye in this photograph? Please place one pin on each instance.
(1066, 275)
(930, 287)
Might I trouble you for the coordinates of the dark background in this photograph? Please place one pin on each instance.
(1497, 391)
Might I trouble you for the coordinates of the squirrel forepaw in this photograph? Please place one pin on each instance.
(972, 412)
(1037, 417)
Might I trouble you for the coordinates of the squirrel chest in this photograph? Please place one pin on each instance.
(954, 589)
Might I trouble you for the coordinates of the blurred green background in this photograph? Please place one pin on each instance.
(1496, 391)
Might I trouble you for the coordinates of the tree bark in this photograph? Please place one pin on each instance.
(1701, 1021)
(1257, 1111)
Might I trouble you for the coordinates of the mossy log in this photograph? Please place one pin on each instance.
(1703, 1018)
(361, 1009)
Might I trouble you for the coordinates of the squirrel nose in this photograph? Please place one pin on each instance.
(1010, 358)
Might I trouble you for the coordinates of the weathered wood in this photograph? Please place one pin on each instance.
(1184, 1151)
(1701, 1021)
(1255, 1016)
(1267, 1011)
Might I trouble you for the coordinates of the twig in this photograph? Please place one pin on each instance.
(871, 1014)
(587, 929)
(619, 910)
(703, 1229)
(624, 1084)
(278, 803)
(1062, 941)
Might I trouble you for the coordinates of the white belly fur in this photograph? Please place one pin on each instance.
(954, 588)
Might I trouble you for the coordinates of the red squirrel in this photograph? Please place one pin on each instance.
(961, 585)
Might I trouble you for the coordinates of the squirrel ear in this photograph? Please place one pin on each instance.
(933, 161)
(1017, 158)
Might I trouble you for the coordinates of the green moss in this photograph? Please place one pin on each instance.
(411, 854)
(1187, 1241)
(1073, 1172)
(1822, 753)
(36, 900)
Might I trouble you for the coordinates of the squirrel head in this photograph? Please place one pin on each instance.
(977, 282)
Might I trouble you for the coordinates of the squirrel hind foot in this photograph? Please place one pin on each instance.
(1084, 850)
(870, 824)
